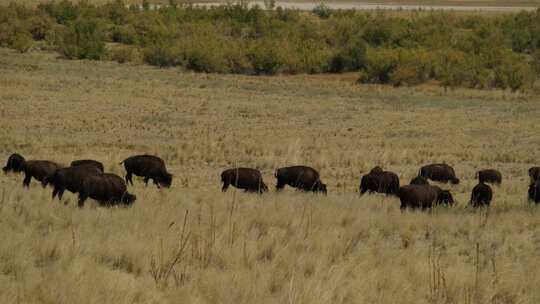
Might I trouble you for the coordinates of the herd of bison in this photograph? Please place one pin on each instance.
(87, 178)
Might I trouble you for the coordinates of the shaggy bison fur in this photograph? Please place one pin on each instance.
(15, 163)
(439, 172)
(41, 170)
(71, 178)
(423, 196)
(379, 181)
(149, 167)
(300, 177)
(108, 189)
(481, 196)
(243, 178)
(534, 192)
(419, 180)
(489, 176)
(88, 162)
(534, 174)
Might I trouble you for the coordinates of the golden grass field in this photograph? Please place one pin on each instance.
(515, 3)
(194, 244)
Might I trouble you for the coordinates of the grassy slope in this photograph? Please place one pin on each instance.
(244, 248)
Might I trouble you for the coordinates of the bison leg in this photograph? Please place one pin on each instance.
(129, 178)
(82, 197)
(27, 179)
(146, 179)
(279, 185)
(60, 193)
(156, 183)
(225, 185)
(55, 192)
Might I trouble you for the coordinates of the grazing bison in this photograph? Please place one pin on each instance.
(534, 192)
(534, 174)
(481, 195)
(419, 180)
(148, 166)
(243, 178)
(14, 163)
(71, 178)
(423, 196)
(300, 177)
(42, 170)
(439, 172)
(379, 181)
(489, 176)
(106, 188)
(88, 162)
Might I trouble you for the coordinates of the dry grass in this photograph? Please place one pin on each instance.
(513, 3)
(194, 244)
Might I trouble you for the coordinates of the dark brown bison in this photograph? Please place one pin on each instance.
(481, 195)
(419, 180)
(489, 176)
(42, 170)
(379, 181)
(534, 192)
(106, 188)
(88, 162)
(15, 163)
(299, 177)
(149, 167)
(243, 178)
(71, 178)
(534, 174)
(423, 196)
(439, 172)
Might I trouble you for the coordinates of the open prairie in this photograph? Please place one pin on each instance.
(194, 244)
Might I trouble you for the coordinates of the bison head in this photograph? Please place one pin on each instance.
(128, 199)
(445, 197)
(319, 187)
(376, 170)
(264, 188)
(165, 180)
(15, 163)
(454, 181)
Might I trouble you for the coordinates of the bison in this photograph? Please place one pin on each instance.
(42, 170)
(149, 167)
(88, 162)
(423, 196)
(243, 178)
(481, 195)
(15, 163)
(439, 172)
(534, 192)
(419, 180)
(300, 177)
(534, 174)
(379, 181)
(71, 178)
(489, 176)
(106, 188)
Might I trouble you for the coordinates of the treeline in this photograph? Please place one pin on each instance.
(456, 50)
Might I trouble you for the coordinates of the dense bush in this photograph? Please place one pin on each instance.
(82, 39)
(470, 51)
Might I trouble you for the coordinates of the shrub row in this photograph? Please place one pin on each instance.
(472, 51)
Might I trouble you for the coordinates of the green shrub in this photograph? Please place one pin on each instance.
(380, 64)
(163, 55)
(513, 73)
(351, 57)
(126, 53)
(83, 39)
(22, 42)
(39, 26)
(322, 11)
(266, 57)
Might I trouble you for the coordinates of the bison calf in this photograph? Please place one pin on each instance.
(106, 188)
(88, 162)
(481, 196)
(439, 172)
(71, 178)
(379, 181)
(243, 178)
(299, 177)
(489, 176)
(423, 196)
(15, 163)
(149, 167)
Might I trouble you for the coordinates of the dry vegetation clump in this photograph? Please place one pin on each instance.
(195, 244)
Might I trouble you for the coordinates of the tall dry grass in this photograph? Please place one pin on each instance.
(194, 244)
